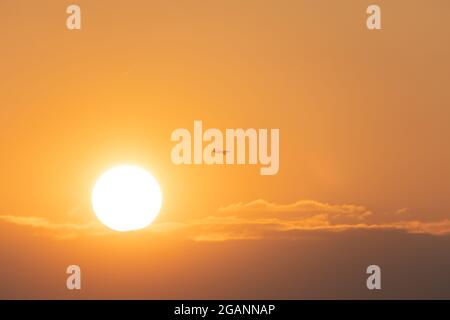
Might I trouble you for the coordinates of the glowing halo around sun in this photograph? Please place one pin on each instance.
(126, 198)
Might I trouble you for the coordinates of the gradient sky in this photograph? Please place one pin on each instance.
(364, 161)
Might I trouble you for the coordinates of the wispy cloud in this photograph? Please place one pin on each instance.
(260, 219)
(299, 207)
(59, 230)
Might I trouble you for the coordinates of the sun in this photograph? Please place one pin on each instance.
(126, 198)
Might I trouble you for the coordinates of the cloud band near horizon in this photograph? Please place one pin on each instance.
(258, 219)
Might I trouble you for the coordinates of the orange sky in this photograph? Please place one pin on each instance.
(363, 119)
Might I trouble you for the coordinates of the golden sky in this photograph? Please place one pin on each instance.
(364, 154)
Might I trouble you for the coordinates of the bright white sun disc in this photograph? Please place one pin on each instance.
(126, 198)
